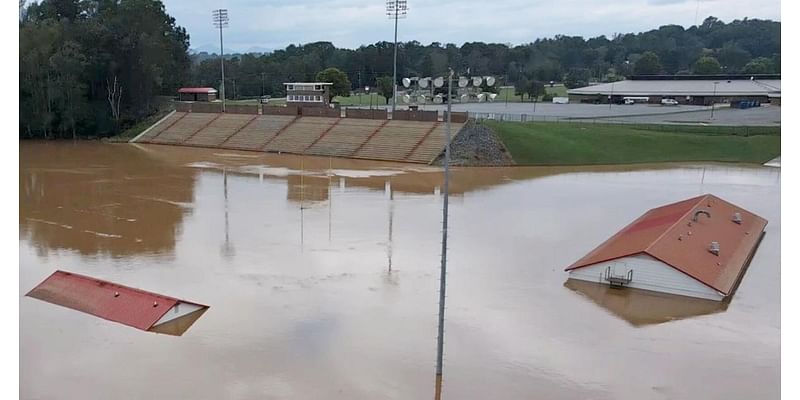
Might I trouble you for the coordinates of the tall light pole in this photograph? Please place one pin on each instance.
(395, 9)
(443, 273)
(220, 17)
(713, 99)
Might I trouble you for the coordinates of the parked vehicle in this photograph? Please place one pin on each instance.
(634, 100)
(560, 100)
(669, 102)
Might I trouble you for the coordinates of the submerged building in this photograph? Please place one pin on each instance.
(698, 247)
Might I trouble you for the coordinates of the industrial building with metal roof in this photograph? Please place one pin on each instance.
(695, 90)
(698, 247)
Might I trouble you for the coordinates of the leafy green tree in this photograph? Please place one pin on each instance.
(341, 85)
(385, 87)
(577, 77)
(648, 64)
(761, 65)
(521, 87)
(707, 66)
(535, 89)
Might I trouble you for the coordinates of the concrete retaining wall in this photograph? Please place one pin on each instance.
(415, 115)
(251, 109)
(206, 107)
(456, 117)
(273, 110)
(183, 107)
(320, 112)
(366, 114)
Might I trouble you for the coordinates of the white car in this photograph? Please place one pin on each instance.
(669, 102)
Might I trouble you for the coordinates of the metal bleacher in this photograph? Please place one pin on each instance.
(376, 139)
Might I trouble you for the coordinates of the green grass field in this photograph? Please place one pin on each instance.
(542, 143)
(557, 90)
(362, 100)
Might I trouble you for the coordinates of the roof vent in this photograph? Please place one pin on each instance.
(737, 218)
(714, 249)
(698, 212)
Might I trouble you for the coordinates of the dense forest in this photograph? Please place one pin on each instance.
(93, 67)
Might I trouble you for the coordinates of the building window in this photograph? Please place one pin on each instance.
(289, 87)
(318, 87)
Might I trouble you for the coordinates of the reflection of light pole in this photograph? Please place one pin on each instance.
(713, 98)
(220, 18)
(227, 248)
(395, 9)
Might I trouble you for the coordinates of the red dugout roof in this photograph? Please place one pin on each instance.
(670, 235)
(201, 90)
(129, 306)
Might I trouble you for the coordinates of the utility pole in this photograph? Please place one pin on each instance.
(262, 84)
(443, 273)
(713, 99)
(395, 9)
(220, 17)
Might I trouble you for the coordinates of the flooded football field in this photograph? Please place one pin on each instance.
(322, 278)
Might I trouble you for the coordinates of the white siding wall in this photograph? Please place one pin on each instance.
(648, 274)
(180, 309)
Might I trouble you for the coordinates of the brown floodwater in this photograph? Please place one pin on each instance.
(322, 277)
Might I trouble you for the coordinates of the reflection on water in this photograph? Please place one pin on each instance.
(323, 277)
(641, 307)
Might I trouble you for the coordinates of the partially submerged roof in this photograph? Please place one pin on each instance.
(129, 306)
(682, 88)
(672, 235)
(198, 90)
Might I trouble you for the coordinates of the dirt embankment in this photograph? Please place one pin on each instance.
(479, 146)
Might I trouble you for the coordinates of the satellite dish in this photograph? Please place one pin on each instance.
(492, 96)
(421, 99)
(463, 82)
(438, 82)
(437, 99)
(406, 82)
(489, 81)
(406, 98)
(464, 98)
(423, 83)
(481, 97)
(476, 81)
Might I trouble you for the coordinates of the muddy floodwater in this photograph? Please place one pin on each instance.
(322, 276)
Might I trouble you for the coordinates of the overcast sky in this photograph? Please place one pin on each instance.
(274, 24)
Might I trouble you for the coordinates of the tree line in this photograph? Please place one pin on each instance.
(94, 67)
(741, 46)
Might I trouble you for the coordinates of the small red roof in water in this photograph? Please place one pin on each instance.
(107, 300)
(200, 90)
(670, 234)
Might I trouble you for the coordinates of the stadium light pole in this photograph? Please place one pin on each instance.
(395, 9)
(220, 17)
(443, 271)
(713, 99)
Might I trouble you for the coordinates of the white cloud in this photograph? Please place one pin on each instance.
(350, 23)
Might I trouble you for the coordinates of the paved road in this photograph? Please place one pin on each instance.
(638, 113)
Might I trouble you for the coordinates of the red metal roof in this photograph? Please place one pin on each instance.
(201, 90)
(107, 300)
(668, 234)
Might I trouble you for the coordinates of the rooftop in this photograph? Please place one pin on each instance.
(202, 90)
(688, 87)
(672, 235)
(308, 83)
